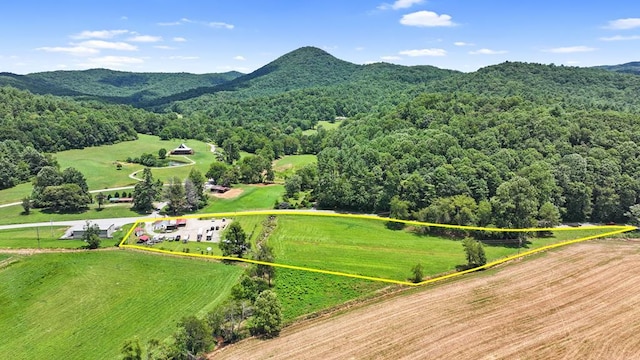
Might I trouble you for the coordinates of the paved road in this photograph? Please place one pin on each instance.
(116, 221)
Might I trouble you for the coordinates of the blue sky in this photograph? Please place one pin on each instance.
(209, 36)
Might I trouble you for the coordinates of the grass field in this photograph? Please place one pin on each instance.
(369, 248)
(252, 198)
(28, 238)
(85, 305)
(287, 165)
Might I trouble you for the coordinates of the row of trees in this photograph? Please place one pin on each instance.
(180, 196)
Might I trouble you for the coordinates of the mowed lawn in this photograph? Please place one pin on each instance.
(369, 248)
(85, 305)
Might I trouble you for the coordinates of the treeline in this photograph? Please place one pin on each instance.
(496, 160)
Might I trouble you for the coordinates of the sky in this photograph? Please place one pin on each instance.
(213, 36)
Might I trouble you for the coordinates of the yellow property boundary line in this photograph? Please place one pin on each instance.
(615, 230)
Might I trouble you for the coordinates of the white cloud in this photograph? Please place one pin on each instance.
(359, 48)
(620, 38)
(572, 62)
(164, 47)
(101, 44)
(426, 19)
(71, 50)
(220, 25)
(145, 38)
(213, 24)
(462, 43)
(173, 23)
(400, 4)
(624, 24)
(424, 52)
(390, 58)
(179, 39)
(570, 49)
(100, 34)
(180, 57)
(487, 52)
(112, 61)
(239, 58)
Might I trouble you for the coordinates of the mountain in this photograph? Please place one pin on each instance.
(628, 68)
(311, 67)
(113, 86)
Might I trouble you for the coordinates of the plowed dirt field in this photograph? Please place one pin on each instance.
(580, 302)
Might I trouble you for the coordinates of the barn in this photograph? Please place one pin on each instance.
(182, 150)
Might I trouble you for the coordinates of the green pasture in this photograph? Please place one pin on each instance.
(85, 305)
(369, 248)
(25, 238)
(252, 198)
(327, 125)
(287, 165)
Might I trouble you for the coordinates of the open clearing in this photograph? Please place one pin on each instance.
(580, 302)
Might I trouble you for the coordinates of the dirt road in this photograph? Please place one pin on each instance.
(581, 302)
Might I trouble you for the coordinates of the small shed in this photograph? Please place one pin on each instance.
(138, 231)
(219, 189)
(182, 150)
(143, 238)
(106, 231)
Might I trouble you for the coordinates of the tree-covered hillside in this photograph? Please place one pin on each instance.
(114, 86)
(629, 68)
(509, 145)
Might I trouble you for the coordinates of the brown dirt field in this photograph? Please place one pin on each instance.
(233, 193)
(580, 302)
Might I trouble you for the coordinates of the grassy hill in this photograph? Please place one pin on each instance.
(85, 305)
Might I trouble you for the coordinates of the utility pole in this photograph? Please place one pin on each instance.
(38, 235)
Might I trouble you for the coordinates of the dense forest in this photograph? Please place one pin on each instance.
(514, 144)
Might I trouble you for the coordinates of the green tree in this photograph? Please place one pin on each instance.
(265, 254)
(634, 214)
(231, 151)
(418, 273)
(174, 194)
(193, 336)
(474, 252)
(216, 170)
(26, 205)
(235, 242)
(515, 204)
(162, 154)
(73, 176)
(64, 198)
(399, 210)
(146, 192)
(267, 316)
(131, 350)
(100, 199)
(91, 235)
(548, 215)
(292, 185)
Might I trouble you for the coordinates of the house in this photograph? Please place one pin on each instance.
(143, 239)
(121, 200)
(182, 150)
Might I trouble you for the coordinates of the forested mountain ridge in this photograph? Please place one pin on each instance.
(114, 86)
(629, 68)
